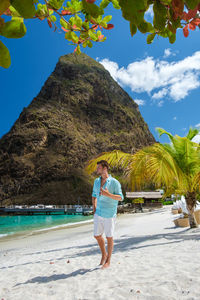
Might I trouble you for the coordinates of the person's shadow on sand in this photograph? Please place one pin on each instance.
(42, 279)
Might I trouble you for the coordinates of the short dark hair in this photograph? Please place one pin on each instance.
(104, 163)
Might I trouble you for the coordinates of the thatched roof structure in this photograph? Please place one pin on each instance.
(144, 195)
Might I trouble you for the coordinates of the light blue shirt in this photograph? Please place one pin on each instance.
(107, 207)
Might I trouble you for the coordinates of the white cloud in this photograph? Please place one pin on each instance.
(162, 78)
(167, 52)
(139, 101)
(174, 118)
(160, 94)
(111, 66)
(181, 88)
(160, 103)
(196, 139)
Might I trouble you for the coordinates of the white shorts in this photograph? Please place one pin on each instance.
(102, 225)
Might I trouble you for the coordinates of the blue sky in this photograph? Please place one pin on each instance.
(163, 79)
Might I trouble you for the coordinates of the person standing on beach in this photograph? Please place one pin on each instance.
(105, 196)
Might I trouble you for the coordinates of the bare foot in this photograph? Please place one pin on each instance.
(106, 265)
(103, 259)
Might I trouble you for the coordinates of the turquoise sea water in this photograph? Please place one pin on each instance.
(10, 225)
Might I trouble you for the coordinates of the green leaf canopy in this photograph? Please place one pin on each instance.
(25, 8)
(5, 60)
(13, 29)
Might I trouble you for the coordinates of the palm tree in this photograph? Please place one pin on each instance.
(174, 167)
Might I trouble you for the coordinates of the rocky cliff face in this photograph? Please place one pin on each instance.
(80, 112)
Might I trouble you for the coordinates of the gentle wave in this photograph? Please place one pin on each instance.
(64, 225)
(6, 234)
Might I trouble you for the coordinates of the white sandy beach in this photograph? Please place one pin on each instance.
(152, 259)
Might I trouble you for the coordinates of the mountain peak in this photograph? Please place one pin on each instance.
(80, 59)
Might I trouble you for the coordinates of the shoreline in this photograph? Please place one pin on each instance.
(41, 228)
(30, 232)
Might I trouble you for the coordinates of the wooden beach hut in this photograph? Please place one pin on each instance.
(151, 199)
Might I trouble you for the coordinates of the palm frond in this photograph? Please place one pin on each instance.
(196, 182)
(162, 131)
(186, 155)
(192, 133)
(115, 158)
(153, 164)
